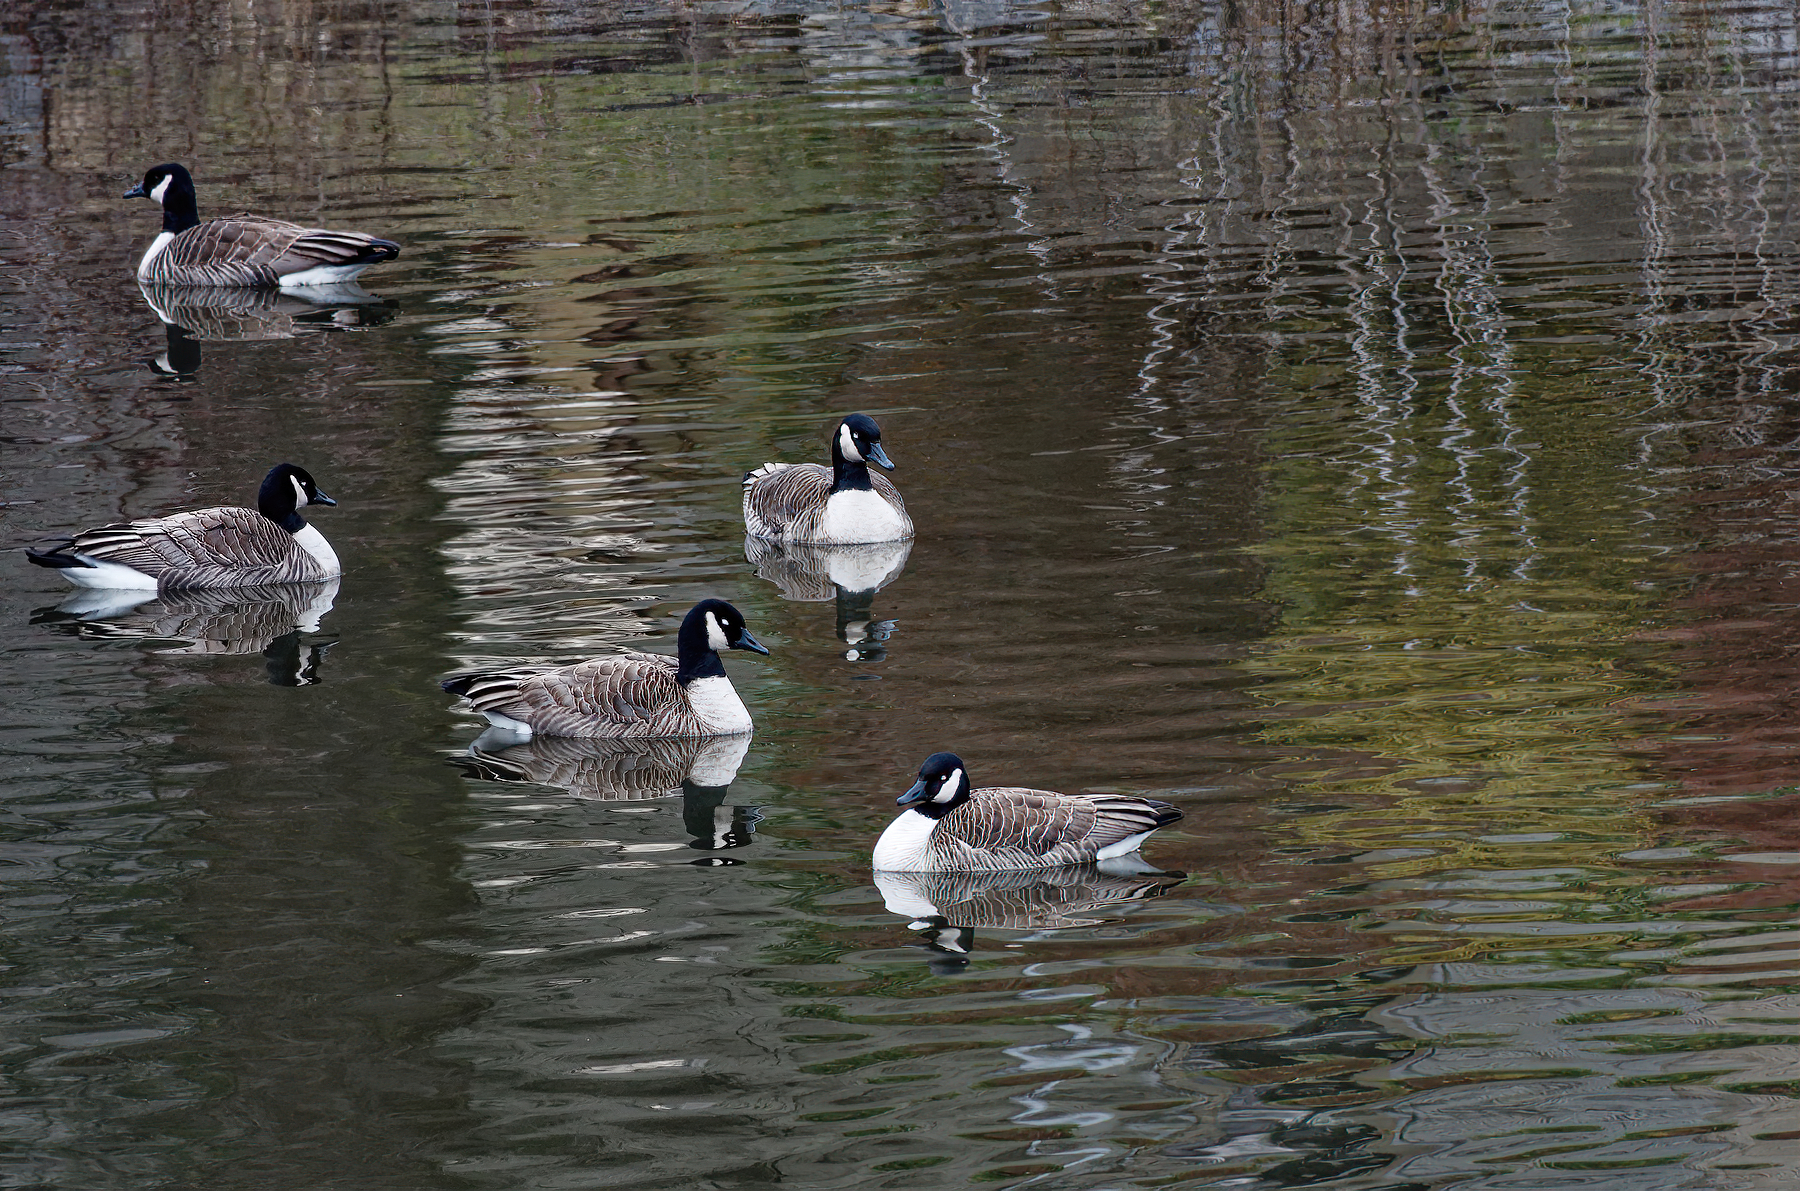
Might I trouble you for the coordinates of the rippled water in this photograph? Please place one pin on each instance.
(1370, 428)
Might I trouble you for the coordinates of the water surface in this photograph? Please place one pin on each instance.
(1370, 429)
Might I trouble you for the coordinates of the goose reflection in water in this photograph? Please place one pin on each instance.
(851, 575)
(193, 314)
(631, 769)
(947, 907)
(280, 622)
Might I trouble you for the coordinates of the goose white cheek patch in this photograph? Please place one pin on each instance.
(300, 501)
(162, 188)
(715, 636)
(847, 445)
(951, 785)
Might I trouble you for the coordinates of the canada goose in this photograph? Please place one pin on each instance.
(244, 249)
(806, 502)
(629, 694)
(226, 546)
(952, 827)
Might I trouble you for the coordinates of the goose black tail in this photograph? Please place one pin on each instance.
(378, 251)
(1165, 814)
(460, 684)
(54, 558)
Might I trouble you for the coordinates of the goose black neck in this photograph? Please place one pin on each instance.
(180, 211)
(276, 502)
(696, 656)
(846, 475)
(937, 810)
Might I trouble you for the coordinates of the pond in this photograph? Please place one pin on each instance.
(1370, 428)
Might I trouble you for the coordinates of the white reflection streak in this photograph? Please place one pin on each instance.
(1171, 285)
(1184, 253)
(1398, 272)
(1387, 461)
(1498, 364)
(1273, 279)
(1562, 79)
(1650, 217)
(991, 117)
(1187, 249)
(1757, 377)
(1481, 361)
(1776, 307)
(1038, 1110)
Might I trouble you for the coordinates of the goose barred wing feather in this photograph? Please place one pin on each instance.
(628, 694)
(786, 501)
(256, 250)
(1006, 827)
(221, 547)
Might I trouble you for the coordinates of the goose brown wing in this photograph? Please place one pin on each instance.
(786, 499)
(219, 547)
(257, 250)
(1016, 824)
(624, 695)
(1018, 827)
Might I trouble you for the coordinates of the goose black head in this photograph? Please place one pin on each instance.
(173, 187)
(160, 181)
(943, 786)
(709, 627)
(285, 491)
(859, 441)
